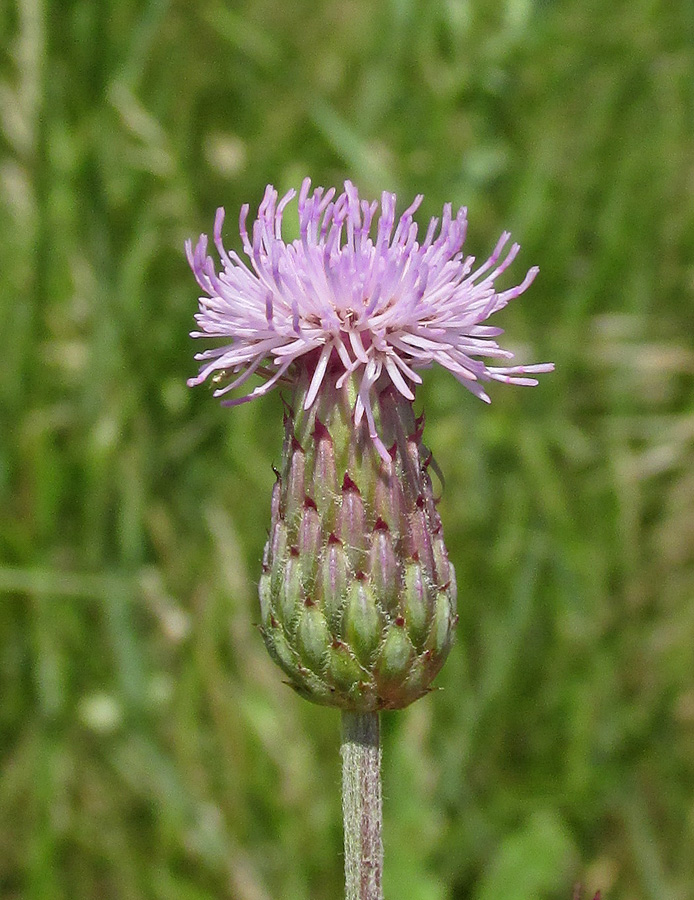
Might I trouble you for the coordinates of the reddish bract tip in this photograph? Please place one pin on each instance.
(348, 484)
(320, 431)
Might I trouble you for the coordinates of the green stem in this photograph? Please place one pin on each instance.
(361, 806)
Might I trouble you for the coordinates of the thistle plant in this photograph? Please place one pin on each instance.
(357, 592)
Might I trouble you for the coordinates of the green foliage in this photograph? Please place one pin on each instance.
(148, 748)
(530, 862)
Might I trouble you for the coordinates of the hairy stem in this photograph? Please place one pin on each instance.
(361, 805)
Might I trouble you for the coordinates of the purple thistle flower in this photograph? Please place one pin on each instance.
(353, 296)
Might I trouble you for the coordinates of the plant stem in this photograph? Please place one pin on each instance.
(361, 805)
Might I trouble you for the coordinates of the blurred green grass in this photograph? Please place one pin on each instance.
(149, 749)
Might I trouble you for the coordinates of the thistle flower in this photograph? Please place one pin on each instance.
(357, 594)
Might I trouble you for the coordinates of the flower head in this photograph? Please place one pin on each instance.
(357, 593)
(355, 296)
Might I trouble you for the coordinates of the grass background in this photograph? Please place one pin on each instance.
(147, 746)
